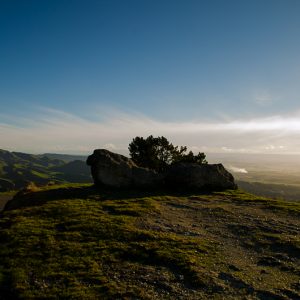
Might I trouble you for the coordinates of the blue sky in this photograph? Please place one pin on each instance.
(185, 69)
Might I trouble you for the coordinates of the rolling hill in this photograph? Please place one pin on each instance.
(18, 169)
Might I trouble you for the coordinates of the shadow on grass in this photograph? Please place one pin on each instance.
(34, 198)
(7, 290)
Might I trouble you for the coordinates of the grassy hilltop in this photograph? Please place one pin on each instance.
(74, 242)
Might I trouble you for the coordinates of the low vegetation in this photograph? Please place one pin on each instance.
(74, 242)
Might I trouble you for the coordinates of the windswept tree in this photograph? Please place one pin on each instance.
(157, 153)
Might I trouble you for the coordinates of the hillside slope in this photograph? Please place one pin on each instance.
(18, 169)
(74, 242)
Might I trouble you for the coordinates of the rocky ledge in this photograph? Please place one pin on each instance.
(118, 171)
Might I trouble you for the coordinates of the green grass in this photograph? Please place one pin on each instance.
(72, 242)
(40, 174)
(63, 247)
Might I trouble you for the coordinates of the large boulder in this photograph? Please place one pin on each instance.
(115, 170)
(192, 176)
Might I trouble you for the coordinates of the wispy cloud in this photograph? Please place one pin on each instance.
(57, 131)
(263, 98)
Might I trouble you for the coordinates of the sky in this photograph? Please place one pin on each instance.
(217, 76)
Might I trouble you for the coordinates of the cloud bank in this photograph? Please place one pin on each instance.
(56, 131)
(237, 170)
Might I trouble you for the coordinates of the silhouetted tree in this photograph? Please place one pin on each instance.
(158, 153)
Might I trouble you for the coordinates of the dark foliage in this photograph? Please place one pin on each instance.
(158, 153)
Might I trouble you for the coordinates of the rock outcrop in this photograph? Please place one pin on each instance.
(192, 176)
(115, 170)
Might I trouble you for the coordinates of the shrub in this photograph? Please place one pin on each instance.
(157, 153)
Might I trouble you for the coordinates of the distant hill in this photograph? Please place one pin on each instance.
(61, 242)
(73, 171)
(279, 191)
(17, 169)
(65, 157)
